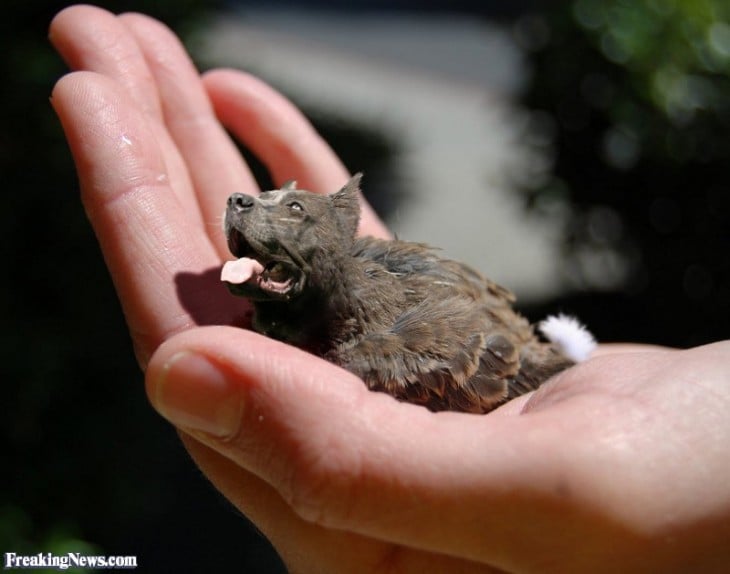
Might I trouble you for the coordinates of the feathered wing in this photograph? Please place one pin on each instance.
(458, 346)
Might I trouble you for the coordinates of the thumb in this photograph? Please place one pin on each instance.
(280, 413)
(223, 383)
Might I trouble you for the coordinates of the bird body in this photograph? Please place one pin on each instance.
(421, 327)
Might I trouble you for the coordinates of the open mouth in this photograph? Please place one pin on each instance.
(256, 275)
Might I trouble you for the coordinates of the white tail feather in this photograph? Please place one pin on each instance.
(569, 335)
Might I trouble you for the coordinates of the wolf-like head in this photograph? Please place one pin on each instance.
(282, 237)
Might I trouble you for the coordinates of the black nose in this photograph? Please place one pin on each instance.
(240, 202)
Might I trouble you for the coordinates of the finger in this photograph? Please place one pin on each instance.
(90, 38)
(277, 132)
(143, 228)
(216, 167)
(308, 547)
(348, 459)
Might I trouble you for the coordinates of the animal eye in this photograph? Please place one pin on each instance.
(295, 205)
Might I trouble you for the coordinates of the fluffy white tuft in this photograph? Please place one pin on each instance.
(569, 335)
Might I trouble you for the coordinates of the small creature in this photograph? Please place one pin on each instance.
(423, 328)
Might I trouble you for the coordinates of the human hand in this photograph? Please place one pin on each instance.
(617, 464)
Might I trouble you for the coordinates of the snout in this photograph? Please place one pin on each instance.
(240, 202)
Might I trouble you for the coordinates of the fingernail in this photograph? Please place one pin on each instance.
(193, 394)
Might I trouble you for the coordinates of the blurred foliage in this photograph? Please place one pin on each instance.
(16, 531)
(676, 56)
(635, 98)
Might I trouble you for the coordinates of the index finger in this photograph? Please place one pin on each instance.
(90, 38)
(146, 233)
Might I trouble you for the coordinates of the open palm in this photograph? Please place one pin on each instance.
(619, 464)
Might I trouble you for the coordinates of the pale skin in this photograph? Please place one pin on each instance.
(619, 464)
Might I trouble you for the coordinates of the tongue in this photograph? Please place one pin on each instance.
(241, 270)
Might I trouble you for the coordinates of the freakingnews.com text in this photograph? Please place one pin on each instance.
(14, 561)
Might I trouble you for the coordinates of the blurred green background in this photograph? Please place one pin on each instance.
(632, 101)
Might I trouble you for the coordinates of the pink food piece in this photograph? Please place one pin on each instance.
(241, 270)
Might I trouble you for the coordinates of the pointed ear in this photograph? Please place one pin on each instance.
(289, 185)
(347, 205)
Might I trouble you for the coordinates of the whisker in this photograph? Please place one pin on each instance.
(218, 222)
